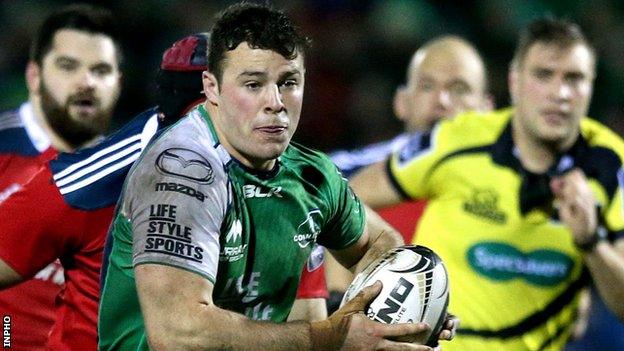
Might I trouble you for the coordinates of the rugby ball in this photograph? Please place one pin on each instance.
(415, 288)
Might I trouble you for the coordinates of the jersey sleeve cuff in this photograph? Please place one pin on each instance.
(394, 181)
(205, 275)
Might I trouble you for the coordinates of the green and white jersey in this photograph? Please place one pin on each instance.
(188, 204)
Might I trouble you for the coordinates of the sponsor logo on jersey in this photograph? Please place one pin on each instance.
(502, 262)
(165, 236)
(237, 295)
(182, 189)
(484, 204)
(185, 164)
(235, 233)
(234, 249)
(317, 256)
(308, 230)
(250, 190)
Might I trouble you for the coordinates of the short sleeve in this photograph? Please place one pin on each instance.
(177, 199)
(346, 217)
(410, 167)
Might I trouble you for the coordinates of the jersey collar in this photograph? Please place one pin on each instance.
(37, 135)
(258, 173)
(208, 120)
(535, 187)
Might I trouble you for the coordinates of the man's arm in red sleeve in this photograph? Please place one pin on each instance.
(35, 227)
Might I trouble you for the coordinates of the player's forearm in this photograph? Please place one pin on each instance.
(373, 186)
(308, 309)
(606, 265)
(383, 238)
(212, 328)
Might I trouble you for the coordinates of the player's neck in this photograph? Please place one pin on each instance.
(535, 156)
(58, 143)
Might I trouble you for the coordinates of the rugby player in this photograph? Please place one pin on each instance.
(73, 80)
(90, 180)
(217, 266)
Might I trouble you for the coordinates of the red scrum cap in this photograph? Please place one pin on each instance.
(187, 54)
(178, 81)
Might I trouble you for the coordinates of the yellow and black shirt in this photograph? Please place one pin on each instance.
(515, 273)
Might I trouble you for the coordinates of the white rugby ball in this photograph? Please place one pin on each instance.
(415, 288)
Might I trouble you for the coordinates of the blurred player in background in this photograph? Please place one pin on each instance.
(523, 202)
(445, 76)
(73, 79)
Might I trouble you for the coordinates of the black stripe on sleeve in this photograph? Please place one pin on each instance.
(615, 236)
(394, 181)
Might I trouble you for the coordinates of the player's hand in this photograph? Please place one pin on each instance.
(350, 329)
(577, 205)
(449, 329)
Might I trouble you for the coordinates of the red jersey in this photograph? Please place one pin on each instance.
(49, 228)
(24, 148)
(313, 284)
(404, 217)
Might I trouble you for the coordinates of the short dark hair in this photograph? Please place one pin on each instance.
(82, 17)
(550, 30)
(259, 26)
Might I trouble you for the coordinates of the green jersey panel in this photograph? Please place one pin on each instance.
(189, 205)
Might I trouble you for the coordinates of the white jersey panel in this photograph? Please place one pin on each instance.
(176, 199)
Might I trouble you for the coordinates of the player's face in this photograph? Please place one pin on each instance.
(259, 102)
(440, 87)
(551, 89)
(79, 83)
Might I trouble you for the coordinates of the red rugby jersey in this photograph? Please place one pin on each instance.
(24, 148)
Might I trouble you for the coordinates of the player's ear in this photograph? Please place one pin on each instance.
(211, 87)
(398, 103)
(512, 80)
(487, 103)
(33, 77)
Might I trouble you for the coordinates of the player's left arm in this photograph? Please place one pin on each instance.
(605, 260)
(308, 309)
(377, 238)
(34, 229)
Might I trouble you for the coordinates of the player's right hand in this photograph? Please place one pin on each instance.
(349, 328)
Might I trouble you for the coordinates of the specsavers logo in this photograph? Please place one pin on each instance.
(498, 261)
(309, 229)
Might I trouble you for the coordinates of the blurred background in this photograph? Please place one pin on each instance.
(360, 52)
